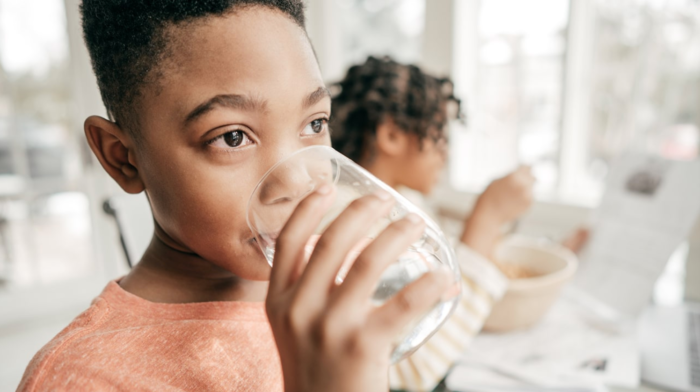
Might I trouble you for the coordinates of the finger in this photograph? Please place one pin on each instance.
(289, 247)
(411, 303)
(530, 179)
(339, 238)
(384, 250)
(525, 172)
(524, 169)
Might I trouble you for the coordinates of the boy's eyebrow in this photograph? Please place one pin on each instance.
(237, 101)
(234, 101)
(317, 95)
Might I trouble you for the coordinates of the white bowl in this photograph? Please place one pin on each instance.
(527, 300)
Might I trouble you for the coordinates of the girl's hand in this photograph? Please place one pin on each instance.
(503, 201)
(330, 337)
(577, 240)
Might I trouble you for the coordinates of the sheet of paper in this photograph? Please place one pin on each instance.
(589, 339)
(649, 208)
(562, 352)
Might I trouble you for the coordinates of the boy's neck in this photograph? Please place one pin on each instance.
(167, 275)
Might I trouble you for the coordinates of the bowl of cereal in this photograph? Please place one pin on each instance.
(537, 269)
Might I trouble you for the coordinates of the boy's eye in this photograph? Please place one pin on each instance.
(231, 139)
(315, 127)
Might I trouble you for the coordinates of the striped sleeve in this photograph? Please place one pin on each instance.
(482, 285)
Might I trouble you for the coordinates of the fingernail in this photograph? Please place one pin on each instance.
(383, 195)
(414, 218)
(324, 189)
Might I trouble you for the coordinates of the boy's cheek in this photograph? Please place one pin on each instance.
(217, 230)
(220, 236)
(187, 185)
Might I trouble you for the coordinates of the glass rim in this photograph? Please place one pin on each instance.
(337, 156)
(340, 159)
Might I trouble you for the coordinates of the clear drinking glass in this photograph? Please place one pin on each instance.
(282, 188)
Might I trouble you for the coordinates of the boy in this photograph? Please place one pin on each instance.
(203, 96)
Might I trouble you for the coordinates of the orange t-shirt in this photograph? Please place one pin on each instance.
(123, 342)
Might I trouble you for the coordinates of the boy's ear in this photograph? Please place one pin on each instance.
(113, 148)
(390, 139)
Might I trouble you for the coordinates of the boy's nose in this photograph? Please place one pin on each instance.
(289, 182)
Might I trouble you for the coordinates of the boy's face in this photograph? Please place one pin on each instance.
(236, 94)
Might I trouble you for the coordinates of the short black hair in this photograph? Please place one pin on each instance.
(127, 41)
(381, 87)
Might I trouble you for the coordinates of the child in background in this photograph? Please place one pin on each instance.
(203, 97)
(392, 119)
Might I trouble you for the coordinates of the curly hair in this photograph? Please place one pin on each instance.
(127, 42)
(381, 88)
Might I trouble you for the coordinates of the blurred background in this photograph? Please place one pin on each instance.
(563, 85)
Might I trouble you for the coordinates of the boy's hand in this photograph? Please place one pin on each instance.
(503, 201)
(330, 337)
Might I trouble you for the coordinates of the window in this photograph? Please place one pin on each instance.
(567, 86)
(345, 32)
(381, 27)
(45, 226)
(514, 102)
(645, 81)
